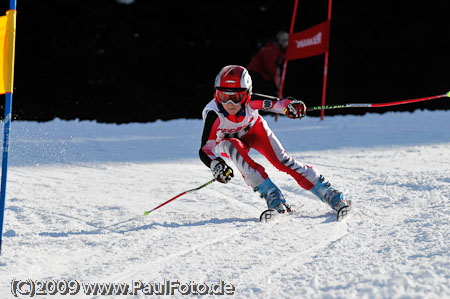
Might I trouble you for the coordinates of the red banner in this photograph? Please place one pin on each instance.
(310, 42)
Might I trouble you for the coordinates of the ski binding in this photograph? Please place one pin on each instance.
(344, 212)
(271, 214)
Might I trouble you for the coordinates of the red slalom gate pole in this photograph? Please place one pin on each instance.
(283, 74)
(325, 67)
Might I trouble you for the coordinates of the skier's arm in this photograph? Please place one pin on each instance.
(270, 105)
(221, 171)
(206, 151)
(291, 107)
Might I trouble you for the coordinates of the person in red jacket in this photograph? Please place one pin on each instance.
(233, 126)
(265, 66)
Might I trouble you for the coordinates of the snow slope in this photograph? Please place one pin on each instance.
(77, 192)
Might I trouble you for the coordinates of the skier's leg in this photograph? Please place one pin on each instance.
(264, 141)
(273, 196)
(323, 190)
(306, 176)
(253, 173)
(237, 151)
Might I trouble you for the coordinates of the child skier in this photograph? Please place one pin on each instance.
(232, 126)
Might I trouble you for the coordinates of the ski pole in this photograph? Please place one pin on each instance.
(357, 105)
(181, 194)
(266, 96)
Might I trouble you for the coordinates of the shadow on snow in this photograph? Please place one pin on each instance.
(100, 230)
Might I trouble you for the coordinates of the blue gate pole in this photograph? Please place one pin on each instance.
(7, 127)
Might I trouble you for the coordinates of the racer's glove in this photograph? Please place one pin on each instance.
(221, 171)
(295, 109)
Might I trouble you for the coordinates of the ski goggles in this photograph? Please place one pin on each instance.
(231, 96)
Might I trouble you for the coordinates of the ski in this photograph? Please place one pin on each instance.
(344, 212)
(271, 215)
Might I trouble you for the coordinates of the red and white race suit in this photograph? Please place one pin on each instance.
(232, 136)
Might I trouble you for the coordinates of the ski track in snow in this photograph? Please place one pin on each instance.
(77, 192)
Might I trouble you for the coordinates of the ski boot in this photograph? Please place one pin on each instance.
(323, 190)
(273, 196)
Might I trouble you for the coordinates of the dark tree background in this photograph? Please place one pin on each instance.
(111, 62)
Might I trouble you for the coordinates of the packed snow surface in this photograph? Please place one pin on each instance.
(77, 191)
